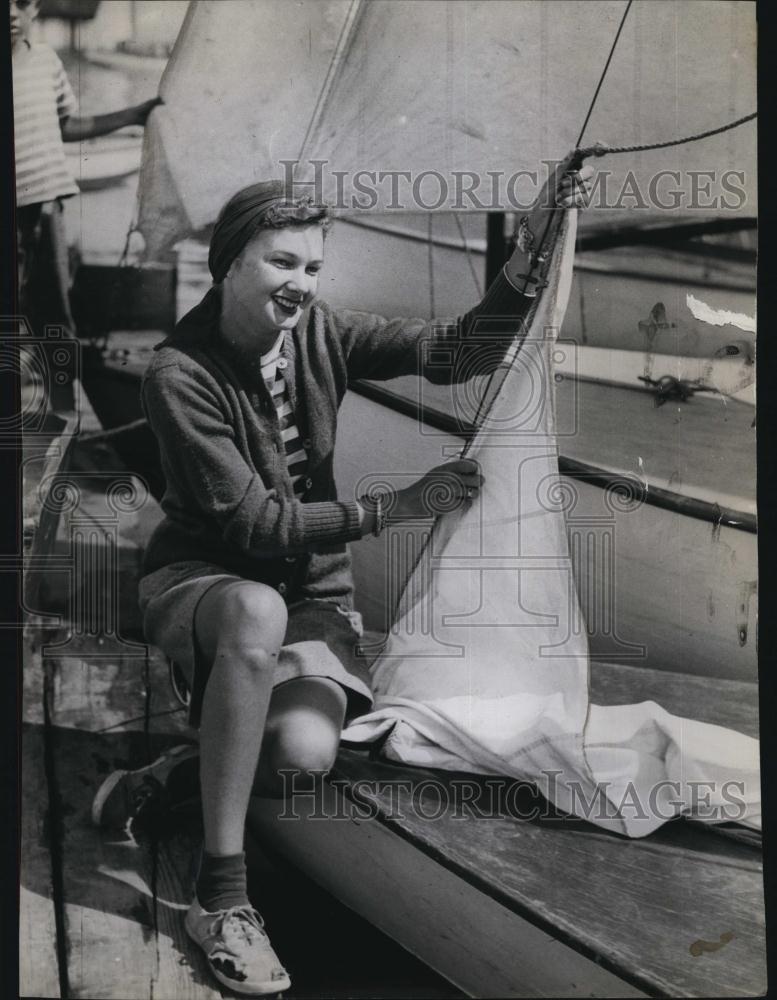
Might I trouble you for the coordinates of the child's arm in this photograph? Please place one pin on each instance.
(74, 128)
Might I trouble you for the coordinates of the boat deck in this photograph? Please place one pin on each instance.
(556, 906)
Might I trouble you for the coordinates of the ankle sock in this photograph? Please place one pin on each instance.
(221, 882)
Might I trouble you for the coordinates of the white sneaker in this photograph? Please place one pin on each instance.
(238, 950)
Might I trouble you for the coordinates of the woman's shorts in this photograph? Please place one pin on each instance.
(321, 636)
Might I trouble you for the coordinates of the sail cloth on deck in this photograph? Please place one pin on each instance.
(465, 91)
(486, 667)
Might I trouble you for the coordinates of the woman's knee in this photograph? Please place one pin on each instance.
(245, 616)
(304, 725)
(312, 753)
(254, 607)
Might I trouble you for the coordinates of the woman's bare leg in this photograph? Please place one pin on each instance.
(301, 735)
(240, 628)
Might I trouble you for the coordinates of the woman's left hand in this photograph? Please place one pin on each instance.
(574, 190)
(567, 187)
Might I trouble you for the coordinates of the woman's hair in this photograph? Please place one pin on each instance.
(267, 205)
(295, 212)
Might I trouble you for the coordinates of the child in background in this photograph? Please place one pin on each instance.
(44, 118)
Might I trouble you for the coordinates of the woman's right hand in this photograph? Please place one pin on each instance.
(445, 487)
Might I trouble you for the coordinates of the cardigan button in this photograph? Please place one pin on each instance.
(282, 588)
(308, 483)
(283, 364)
(307, 444)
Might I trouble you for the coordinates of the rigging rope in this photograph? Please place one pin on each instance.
(602, 149)
(97, 437)
(467, 251)
(581, 153)
(430, 263)
(604, 72)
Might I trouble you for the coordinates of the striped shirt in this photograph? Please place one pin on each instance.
(42, 98)
(296, 456)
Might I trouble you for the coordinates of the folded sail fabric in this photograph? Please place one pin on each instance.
(485, 670)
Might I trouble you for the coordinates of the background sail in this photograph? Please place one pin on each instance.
(482, 86)
(451, 87)
(239, 91)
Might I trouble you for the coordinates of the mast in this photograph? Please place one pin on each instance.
(346, 34)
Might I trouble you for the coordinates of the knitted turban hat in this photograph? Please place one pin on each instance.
(256, 207)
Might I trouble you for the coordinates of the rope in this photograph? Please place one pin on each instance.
(430, 262)
(472, 269)
(95, 437)
(604, 72)
(602, 149)
(124, 258)
(591, 106)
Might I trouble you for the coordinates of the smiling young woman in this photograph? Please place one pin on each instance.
(247, 582)
(270, 283)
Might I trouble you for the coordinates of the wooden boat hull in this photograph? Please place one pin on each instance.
(682, 588)
(462, 932)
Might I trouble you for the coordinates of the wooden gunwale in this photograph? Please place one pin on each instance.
(688, 506)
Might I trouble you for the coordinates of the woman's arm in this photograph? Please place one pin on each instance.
(380, 348)
(74, 128)
(445, 351)
(204, 467)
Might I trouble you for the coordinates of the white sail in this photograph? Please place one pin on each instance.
(464, 91)
(486, 667)
(239, 91)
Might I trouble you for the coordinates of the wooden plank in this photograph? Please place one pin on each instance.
(729, 703)
(479, 945)
(124, 897)
(637, 906)
(38, 967)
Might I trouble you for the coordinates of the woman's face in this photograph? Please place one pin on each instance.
(276, 276)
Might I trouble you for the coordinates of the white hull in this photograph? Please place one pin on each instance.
(733, 377)
(101, 163)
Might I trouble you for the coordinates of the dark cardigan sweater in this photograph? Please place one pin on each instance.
(229, 498)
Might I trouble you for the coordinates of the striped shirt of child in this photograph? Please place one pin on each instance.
(42, 97)
(296, 456)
